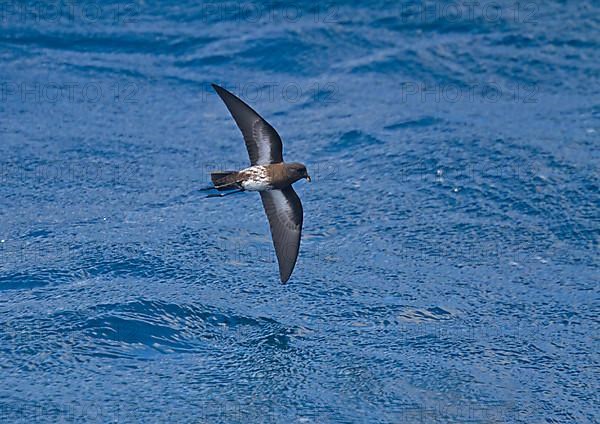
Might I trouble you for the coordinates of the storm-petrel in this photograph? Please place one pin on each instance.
(270, 176)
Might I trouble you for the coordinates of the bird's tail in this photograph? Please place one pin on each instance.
(225, 180)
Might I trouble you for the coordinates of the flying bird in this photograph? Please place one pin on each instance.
(270, 176)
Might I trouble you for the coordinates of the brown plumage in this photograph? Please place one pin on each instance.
(270, 176)
(275, 176)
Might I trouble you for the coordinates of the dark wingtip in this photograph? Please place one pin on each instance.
(285, 278)
(219, 89)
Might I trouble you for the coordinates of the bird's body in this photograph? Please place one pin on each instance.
(259, 177)
(270, 176)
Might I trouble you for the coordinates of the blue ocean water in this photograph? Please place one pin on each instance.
(449, 263)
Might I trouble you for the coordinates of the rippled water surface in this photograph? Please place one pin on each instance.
(449, 262)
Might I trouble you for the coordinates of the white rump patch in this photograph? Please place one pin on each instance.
(257, 180)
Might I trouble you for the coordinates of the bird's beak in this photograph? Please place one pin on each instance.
(308, 178)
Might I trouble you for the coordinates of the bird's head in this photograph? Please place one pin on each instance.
(298, 171)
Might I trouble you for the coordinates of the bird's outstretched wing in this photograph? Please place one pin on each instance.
(284, 210)
(262, 141)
